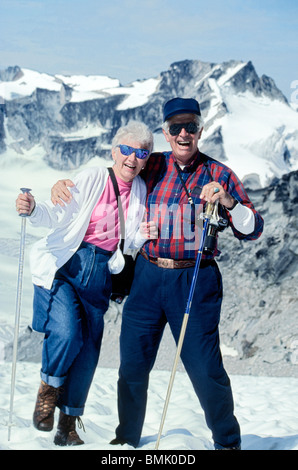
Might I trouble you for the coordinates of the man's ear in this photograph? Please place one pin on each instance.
(166, 135)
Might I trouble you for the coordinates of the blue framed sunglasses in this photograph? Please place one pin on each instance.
(127, 150)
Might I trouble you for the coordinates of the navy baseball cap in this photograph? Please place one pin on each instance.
(180, 106)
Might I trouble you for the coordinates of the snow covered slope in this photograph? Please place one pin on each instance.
(265, 408)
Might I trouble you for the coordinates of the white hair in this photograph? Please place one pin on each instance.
(137, 131)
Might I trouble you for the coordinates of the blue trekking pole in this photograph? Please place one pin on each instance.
(17, 314)
(207, 217)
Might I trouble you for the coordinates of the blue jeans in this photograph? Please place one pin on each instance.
(70, 315)
(159, 296)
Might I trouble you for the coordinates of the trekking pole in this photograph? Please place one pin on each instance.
(207, 216)
(17, 314)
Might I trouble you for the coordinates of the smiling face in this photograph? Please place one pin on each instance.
(128, 167)
(185, 144)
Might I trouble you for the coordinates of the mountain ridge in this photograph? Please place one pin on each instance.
(249, 123)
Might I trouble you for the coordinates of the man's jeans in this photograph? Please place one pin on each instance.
(158, 296)
(71, 316)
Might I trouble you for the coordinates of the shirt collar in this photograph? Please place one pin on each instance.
(192, 165)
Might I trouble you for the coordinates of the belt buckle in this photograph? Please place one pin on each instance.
(165, 263)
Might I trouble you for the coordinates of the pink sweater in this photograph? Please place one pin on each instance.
(104, 226)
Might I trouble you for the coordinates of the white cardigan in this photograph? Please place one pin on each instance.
(69, 224)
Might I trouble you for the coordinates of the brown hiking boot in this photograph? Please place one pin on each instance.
(43, 416)
(66, 431)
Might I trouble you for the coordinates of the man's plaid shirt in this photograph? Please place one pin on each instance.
(167, 203)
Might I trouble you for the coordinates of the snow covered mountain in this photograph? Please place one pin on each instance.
(68, 120)
(52, 125)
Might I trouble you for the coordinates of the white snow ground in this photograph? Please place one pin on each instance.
(265, 407)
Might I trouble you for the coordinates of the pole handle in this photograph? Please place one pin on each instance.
(209, 209)
(24, 191)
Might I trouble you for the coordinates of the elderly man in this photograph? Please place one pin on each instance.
(163, 277)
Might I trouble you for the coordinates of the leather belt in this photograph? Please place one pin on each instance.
(175, 263)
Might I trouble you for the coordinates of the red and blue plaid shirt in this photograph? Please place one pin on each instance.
(168, 204)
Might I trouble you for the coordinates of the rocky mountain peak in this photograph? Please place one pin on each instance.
(11, 74)
(72, 126)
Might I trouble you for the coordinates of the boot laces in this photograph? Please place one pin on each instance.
(80, 424)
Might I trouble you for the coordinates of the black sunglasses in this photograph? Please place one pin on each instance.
(190, 127)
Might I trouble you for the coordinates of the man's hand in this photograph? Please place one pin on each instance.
(213, 191)
(60, 193)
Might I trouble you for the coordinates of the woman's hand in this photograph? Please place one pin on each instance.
(149, 230)
(25, 203)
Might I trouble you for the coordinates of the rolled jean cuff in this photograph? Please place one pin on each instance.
(68, 410)
(55, 382)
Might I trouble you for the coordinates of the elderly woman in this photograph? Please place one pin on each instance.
(71, 271)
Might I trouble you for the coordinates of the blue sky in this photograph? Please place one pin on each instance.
(135, 39)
